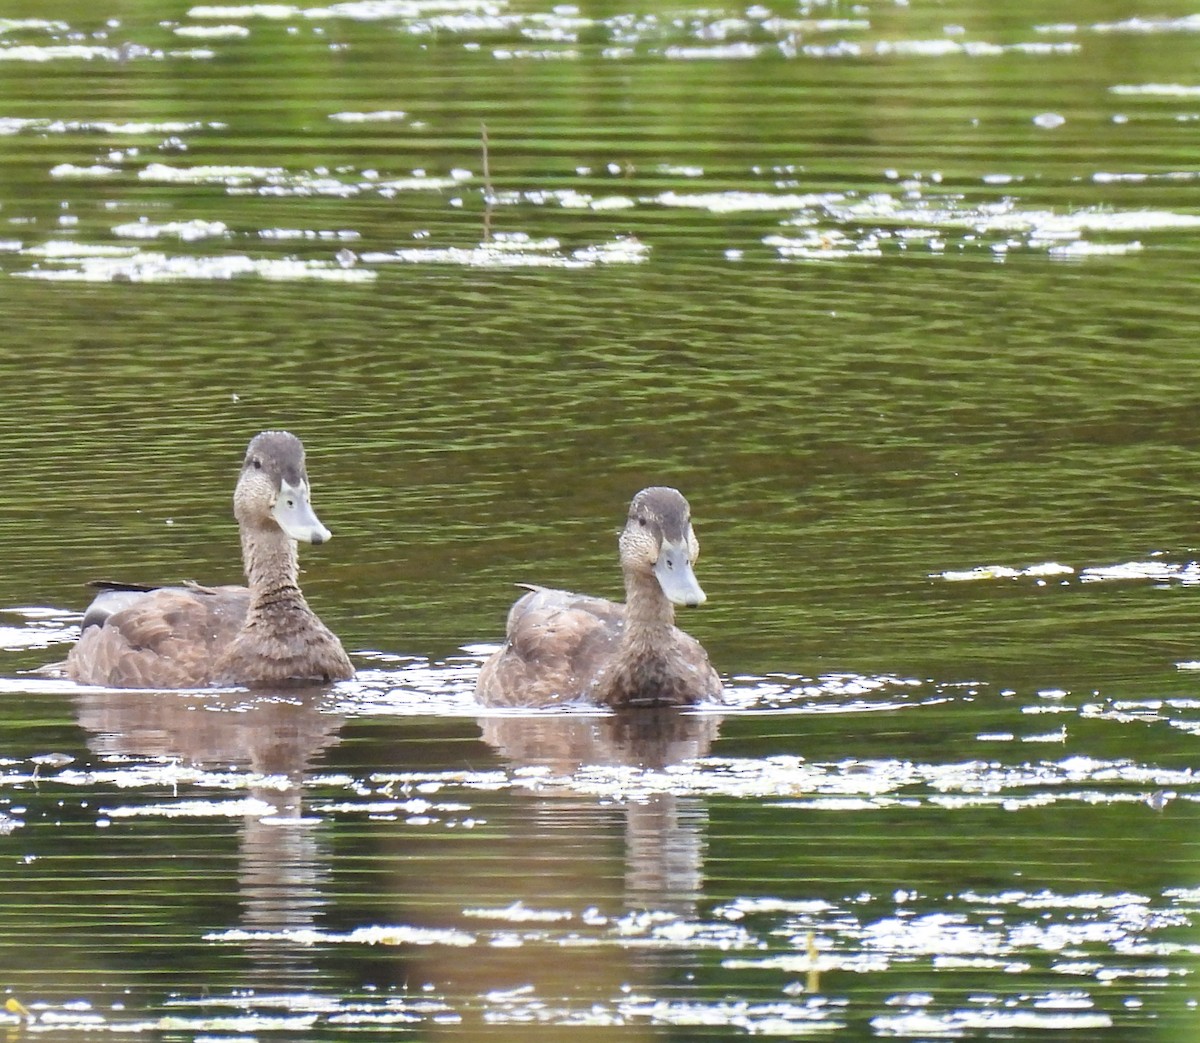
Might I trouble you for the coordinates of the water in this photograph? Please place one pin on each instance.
(900, 295)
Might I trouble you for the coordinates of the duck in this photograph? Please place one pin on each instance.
(562, 647)
(263, 635)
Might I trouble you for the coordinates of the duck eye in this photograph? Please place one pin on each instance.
(642, 522)
(257, 463)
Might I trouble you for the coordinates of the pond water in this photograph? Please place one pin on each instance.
(900, 294)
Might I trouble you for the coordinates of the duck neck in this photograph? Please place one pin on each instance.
(649, 615)
(643, 669)
(272, 565)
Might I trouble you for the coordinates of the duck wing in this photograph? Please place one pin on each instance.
(166, 637)
(555, 643)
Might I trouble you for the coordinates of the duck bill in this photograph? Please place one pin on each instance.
(295, 515)
(674, 573)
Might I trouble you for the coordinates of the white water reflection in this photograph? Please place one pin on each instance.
(851, 843)
(212, 32)
(424, 796)
(42, 628)
(69, 263)
(90, 52)
(19, 125)
(643, 799)
(1154, 570)
(374, 116)
(1049, 569)
(517, 250)
(186, 231)
(689, 34)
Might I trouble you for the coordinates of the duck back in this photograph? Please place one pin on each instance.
(562, 647)
(165, 638)
(555, 643)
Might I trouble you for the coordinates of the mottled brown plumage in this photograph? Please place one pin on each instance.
(260, 636)
(562, 647)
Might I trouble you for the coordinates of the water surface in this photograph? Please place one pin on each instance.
(900, 295)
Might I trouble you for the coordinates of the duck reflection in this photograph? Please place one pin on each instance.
(663, 832)
(585, 853)
(276, 736)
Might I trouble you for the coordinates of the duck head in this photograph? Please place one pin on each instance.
(273, 488)
(658, 538)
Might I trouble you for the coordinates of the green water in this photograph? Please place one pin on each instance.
(891, 293)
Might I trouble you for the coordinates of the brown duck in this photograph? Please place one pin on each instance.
(260, 636)
(562, 647)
